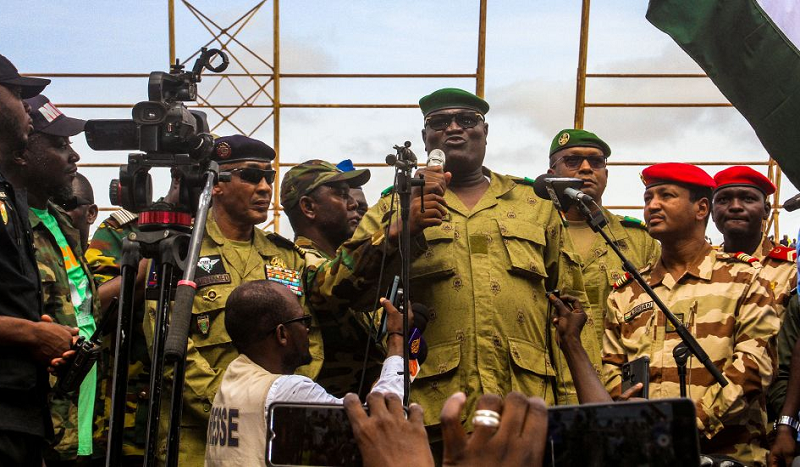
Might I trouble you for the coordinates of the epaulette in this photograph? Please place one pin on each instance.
(783, 253)
(624, 279)
(628, 221)
(744, 257)
(522, 180)
(124, 216)
(387, 191)
(284, 242)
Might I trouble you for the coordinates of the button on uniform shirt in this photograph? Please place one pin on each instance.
(728, 307)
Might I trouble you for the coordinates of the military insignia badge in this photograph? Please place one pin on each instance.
(207, 264)
(3, 212)
(670, 327)
(211, 270)
(223, 150)
(203, 323)
(288, 277)
(277, 262)
(638, 310)
(563, 139)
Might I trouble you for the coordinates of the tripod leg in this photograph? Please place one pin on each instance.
(130, 262)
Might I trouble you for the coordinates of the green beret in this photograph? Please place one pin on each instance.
(452, 98)
(570, 138)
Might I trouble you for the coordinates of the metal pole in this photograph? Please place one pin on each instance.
(171, 32)
(580, 88)
(480, 77)
(276, 112)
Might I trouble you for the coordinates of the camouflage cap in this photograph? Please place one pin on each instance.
(452, 98)
(570, 138)
(304, 178)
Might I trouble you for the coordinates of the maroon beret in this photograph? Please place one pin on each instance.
(740, 175)
(676, 172)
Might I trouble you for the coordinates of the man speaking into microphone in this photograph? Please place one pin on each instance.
(483, 271)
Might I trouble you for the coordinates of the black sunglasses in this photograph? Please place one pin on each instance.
(463, 119)
(74, 202)
(575, 162)
(254, 175)
(305, 320)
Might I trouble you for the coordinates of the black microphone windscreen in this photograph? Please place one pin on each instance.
(540, 188)
(792, 203)
(421, 316)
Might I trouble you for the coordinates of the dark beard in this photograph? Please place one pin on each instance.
(64, 194)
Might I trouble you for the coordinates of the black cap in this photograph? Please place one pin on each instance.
(30, 86)
(49, 120)
(239, 148)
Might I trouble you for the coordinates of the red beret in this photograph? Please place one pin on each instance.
(740, 175)
(676, 172)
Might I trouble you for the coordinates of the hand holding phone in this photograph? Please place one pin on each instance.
(634, 372)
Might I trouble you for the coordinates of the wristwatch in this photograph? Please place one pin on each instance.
(789, 421)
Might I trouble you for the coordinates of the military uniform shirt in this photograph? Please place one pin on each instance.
(779, 268)
(729, 309)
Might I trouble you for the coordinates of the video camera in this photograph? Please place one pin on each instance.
(169, 135)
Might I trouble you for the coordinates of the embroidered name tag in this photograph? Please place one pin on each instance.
(637, 310)
(211, 270)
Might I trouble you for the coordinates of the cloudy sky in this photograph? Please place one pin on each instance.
(531, 60)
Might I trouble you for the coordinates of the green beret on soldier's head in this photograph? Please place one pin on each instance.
(452, 98)
(237, 148)
(570, 138)
(304, 178)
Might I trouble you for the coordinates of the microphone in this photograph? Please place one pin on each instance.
(562, 191)
(792, 204)
(417, 347)
(436, 158)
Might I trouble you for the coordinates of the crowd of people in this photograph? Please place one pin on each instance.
(298, 320)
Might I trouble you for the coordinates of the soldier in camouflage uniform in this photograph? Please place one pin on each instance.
(68, 289)
(582, 154)
(784, 393)
(316, 198)
(483, 271)
(723, 302)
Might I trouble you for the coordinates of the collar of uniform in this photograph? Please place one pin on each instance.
(308, 244)
(64, 223)
(499, 185)
(701, 267)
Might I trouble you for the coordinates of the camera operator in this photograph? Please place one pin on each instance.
(29, 341)
(270, 330)
(47, 168)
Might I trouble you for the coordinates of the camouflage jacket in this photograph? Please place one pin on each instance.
(728, 307)
(103, 257)
(345, 337)
(779, 268)
(603, 268)
(57, 303)
(483, 274)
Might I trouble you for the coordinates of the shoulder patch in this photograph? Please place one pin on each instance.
(388, 190)
(624, 279)
(628, 221)
(783, 253)
(521, 180)
(744, 257)
(123, 217)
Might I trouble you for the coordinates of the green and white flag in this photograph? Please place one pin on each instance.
(749, 49)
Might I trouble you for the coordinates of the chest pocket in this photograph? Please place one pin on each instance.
(524, 244)
(438, 259)
(208, 315)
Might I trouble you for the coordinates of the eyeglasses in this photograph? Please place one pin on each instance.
(254, 175)
(463, 119)
(305, 320)
(75, 202)
(575, 162)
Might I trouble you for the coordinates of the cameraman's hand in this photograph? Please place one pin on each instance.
(49, 341)
(782, 451)
(519, 440)
(436, 182)
(569, 318)
(384, 437)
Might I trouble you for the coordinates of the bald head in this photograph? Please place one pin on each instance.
(255, 309)
(82, 188)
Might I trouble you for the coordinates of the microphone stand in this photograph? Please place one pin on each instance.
(404, 162)
(597, 221)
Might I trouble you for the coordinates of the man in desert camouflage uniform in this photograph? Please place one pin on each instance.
(316, 197)
(482, 270)
(582, 154)
(722, 301)
(69, 294)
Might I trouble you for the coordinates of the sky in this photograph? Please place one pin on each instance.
(531, 61)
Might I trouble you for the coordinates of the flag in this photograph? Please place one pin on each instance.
(749, 49)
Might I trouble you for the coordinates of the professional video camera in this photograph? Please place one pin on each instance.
(169, 135)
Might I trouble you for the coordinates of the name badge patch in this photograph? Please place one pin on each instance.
(637, 310)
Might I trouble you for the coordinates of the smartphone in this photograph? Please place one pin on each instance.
(661, 432)
(637, 371)
(310, 434)
(391, 295)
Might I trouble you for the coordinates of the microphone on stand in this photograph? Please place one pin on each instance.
(562, 191)
(792, 203)
(436, 158)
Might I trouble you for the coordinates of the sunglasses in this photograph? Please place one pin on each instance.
(254, 175)
(575, 162)
(305, 320)
(75, 202)
(463, 119)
